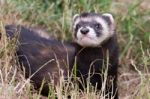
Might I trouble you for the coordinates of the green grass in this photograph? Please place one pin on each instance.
(132, 26)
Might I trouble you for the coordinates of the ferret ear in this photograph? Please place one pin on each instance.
(75, 16)
(109, 18)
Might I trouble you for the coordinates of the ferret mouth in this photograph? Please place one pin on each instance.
(86, 37)
(87, 42)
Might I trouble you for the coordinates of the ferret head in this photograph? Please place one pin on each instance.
(91, 29)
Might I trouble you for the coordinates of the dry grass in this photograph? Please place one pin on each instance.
(132, 17)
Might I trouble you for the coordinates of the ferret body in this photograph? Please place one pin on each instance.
(97, 48)
(42, 59)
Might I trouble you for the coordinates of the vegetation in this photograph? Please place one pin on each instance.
(132, 26)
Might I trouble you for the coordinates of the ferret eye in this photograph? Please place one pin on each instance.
(78, 26)
(97, 26)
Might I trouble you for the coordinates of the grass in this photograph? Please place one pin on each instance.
(132, 22)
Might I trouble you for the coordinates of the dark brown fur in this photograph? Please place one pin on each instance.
(35, 52)
(93, 60)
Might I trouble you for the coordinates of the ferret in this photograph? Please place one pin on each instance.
(44, 60)
(97, 48)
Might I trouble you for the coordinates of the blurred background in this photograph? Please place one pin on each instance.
(132, 19)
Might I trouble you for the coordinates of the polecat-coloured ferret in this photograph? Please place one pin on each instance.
(95, 47)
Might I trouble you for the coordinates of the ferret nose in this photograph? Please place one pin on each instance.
(84, 30)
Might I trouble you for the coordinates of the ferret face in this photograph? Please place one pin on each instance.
(91, 29)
